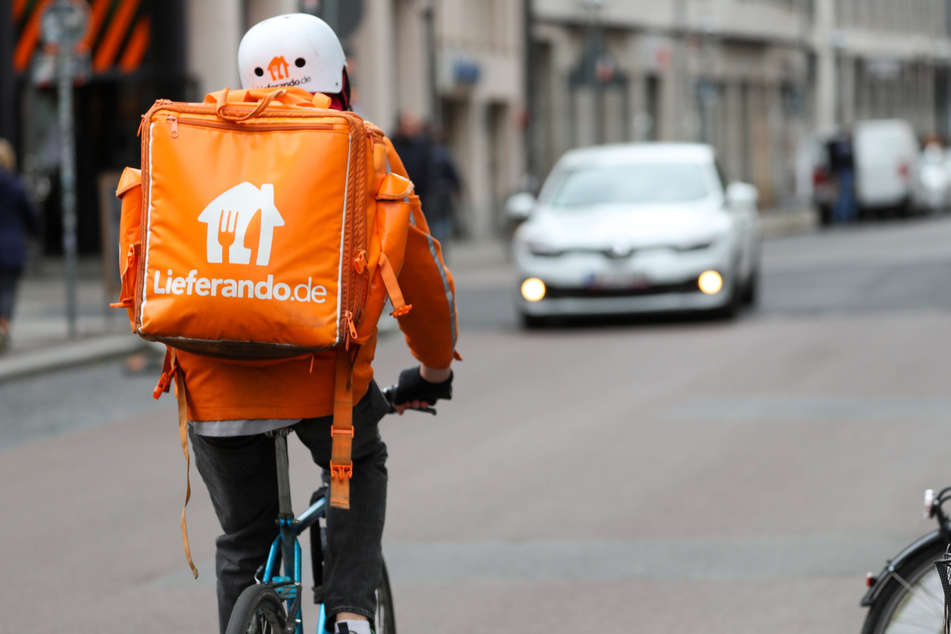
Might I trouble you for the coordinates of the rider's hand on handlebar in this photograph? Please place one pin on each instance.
(421, 387)
(419, 405)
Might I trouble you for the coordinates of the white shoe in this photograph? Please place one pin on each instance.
(353, 627)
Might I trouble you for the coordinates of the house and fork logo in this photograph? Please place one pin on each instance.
(227, 218)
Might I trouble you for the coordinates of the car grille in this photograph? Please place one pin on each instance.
(690, 286)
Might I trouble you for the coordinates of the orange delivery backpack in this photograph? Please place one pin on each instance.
(263, 225)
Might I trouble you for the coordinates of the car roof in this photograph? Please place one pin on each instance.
(622, 153)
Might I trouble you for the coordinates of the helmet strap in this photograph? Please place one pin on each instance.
(345, 93)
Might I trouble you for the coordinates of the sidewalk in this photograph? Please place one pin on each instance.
(41, 342)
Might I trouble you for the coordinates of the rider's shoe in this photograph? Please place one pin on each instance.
(353, 627)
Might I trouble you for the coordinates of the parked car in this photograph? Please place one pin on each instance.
(635, 228)
(933, 185)
(886, 163)
(886, 166)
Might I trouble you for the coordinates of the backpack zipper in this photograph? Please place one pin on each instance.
(358, 237)
(174, 121)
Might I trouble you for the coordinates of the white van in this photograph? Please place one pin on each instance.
(886, 157)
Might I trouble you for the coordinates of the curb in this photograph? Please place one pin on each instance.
(775, 224)
(68, 354)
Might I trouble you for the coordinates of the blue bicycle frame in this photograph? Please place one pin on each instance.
(288, 586)
(286, 550)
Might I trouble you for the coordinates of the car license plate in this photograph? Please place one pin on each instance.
(617, 281)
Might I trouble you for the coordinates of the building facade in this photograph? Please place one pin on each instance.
(751, 77)
(509, 85)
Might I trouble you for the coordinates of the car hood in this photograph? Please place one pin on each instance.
(635, 227)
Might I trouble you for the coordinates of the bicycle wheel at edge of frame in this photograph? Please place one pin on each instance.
(926, 596)
(385, 620)
(259, 601)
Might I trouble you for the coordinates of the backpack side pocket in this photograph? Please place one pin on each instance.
(129, 193)
(386, 256)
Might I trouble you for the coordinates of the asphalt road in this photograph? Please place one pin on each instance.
(676, 475)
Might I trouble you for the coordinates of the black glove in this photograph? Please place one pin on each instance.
(413, 387)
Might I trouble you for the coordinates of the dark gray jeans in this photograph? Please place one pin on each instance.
(9, 278)
(241, 475)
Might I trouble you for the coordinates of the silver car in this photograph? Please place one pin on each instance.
(636, 228)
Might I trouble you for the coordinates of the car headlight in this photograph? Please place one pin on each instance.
(542, 249)
(710, 282)
(533, 289)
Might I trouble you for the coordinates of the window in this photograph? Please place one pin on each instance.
(636, 183)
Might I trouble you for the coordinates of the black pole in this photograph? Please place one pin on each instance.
(8, 118)
(429, 21)
(531, 93)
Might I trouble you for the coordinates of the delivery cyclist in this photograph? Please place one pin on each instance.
(233, 403)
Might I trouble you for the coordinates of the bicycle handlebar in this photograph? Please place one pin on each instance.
(390, 391)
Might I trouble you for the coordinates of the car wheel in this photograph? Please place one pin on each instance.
(532, 322)
(733, 305)
(751, 288)
(906, 208)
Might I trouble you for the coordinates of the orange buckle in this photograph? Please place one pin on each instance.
(402, 310)
(343, 432)
(341, 471)
(163, 384)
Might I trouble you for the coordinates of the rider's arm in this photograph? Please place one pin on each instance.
(430, 327)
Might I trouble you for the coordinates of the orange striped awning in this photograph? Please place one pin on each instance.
(118, 38)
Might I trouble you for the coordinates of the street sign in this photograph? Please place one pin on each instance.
(64, 23)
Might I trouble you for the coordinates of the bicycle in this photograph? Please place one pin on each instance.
(907, 595)
(264, 608)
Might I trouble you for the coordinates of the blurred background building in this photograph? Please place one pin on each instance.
(509, 84)
(751, 77)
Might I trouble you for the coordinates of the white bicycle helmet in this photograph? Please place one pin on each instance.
(292, 50)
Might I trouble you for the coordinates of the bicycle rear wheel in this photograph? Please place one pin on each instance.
(385, 618)
(258, 610)
(913, 599)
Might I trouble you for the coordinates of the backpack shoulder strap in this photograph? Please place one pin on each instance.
(341, 462)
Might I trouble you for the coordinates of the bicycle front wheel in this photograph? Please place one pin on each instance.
(259, 610)
(385, 618)
(913, 599)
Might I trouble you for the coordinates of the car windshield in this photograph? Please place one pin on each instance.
(637, 183)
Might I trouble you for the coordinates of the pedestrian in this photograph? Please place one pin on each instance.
(842, 166)
(447, 189)
(232, 403)
(416, 149)
(17, 223)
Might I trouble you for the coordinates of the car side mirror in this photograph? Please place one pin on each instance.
(742, 195)
(518, 207)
